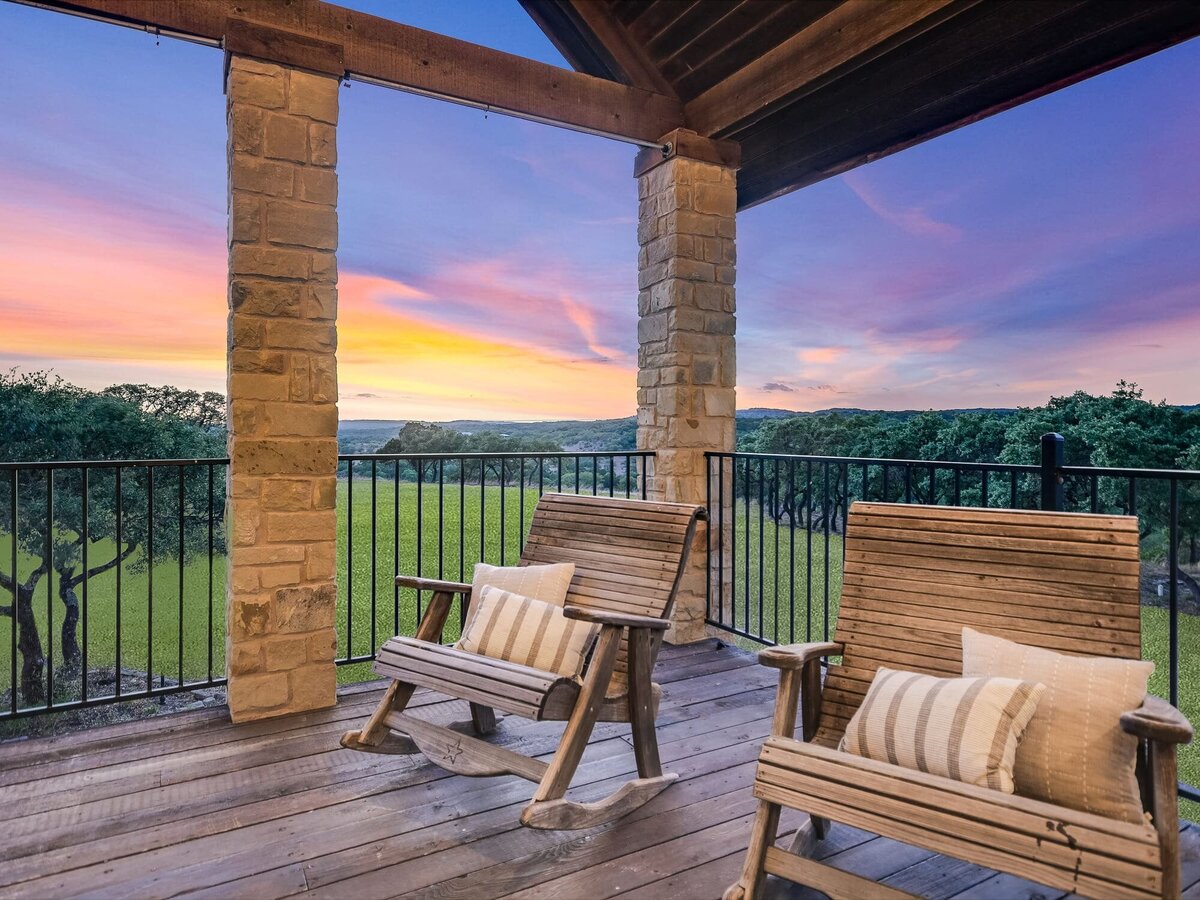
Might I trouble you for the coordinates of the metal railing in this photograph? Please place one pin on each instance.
(437, 515)
(777, 523)
(114, 573)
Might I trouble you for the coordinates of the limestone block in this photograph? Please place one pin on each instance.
(266, 298)
(246, 658)
(320, 186)
(303, 224)
(322, 647)
(285, 137)
(285, 653)
(245, 218)
(252, 693)
(313, 687)
(322, 145)
(250, 617)
(314, 96)
(261, 176)
(270, 262)
(302, 609)
(255, 89)
(317, 525)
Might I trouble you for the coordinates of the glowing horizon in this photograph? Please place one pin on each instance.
(488, 267)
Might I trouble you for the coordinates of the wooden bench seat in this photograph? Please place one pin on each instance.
(914, 577)
(1065, 849)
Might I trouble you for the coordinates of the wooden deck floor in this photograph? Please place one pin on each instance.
(192, 804)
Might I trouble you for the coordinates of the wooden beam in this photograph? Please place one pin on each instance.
(628, 56)
(408, 58)
(855, 33)
(1053, 47)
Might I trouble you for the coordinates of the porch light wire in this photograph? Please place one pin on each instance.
(110, 20)
(511, 113)
(350, 76)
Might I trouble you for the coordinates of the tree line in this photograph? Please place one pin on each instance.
(48, 419)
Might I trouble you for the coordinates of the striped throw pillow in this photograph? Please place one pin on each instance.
(961, 728)
(548, 583)
(522, 630)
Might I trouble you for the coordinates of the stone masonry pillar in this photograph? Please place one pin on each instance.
(687, 199)
(282, 388)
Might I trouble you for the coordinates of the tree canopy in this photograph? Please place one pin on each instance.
(48, 419)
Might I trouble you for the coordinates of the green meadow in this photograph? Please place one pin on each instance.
(442, 534)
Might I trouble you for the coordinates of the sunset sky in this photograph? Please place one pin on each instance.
(489, 266)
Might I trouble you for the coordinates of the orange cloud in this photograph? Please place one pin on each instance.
(419, 368)
(101, 299)
(821, 356)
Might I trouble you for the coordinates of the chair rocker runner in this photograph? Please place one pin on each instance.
(914, 577)
(629, 557)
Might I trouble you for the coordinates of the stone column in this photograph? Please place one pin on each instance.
(687, 199)
(282, 388)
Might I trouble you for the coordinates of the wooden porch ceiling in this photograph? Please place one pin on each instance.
(812, 88)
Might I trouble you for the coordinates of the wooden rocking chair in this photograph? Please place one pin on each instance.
(629, 556)
(914, 576)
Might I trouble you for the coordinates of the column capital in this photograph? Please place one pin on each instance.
(685, 144)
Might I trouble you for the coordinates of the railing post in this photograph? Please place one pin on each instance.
(1052, 480)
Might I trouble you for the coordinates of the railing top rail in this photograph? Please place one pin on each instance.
(879, 461)
(528, 454)
(1109, 472)
(111, 463)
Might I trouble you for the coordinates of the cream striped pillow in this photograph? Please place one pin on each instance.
(548, 582)
(1075, 753)
(529, 632)
(961, 728)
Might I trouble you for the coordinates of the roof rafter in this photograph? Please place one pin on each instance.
(850, 36)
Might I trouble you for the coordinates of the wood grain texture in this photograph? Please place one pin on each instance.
(912, 577)
(412, 59)
(339, 823)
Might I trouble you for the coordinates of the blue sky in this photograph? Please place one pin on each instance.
(489, 265)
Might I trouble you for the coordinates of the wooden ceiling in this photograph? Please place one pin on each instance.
(811, 88)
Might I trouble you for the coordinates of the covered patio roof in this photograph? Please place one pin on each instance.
(808, 88)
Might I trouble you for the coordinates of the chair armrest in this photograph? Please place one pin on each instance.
(621, 620)
(1157, 720)
(795, 656)
(432, 584)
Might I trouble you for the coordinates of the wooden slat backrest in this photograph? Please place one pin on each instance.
(629, 554)
(915, 575)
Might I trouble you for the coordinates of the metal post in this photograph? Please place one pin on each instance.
(1052, 480)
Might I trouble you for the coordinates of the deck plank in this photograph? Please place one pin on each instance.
(193, 804)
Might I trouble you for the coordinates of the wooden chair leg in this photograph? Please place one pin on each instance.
(398, 693)
(766, 825)
(549, 807)
(373, 734)
(641, 703)
(483, 718)
(1164, 780)
(583, 719)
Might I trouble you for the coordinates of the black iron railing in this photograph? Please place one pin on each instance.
(112, 580)
(776, 551)
(437, 515)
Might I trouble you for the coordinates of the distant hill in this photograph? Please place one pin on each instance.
(367, 435)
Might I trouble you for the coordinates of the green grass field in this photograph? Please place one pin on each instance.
(763, 557)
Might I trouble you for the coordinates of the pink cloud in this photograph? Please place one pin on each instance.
(914, 220)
